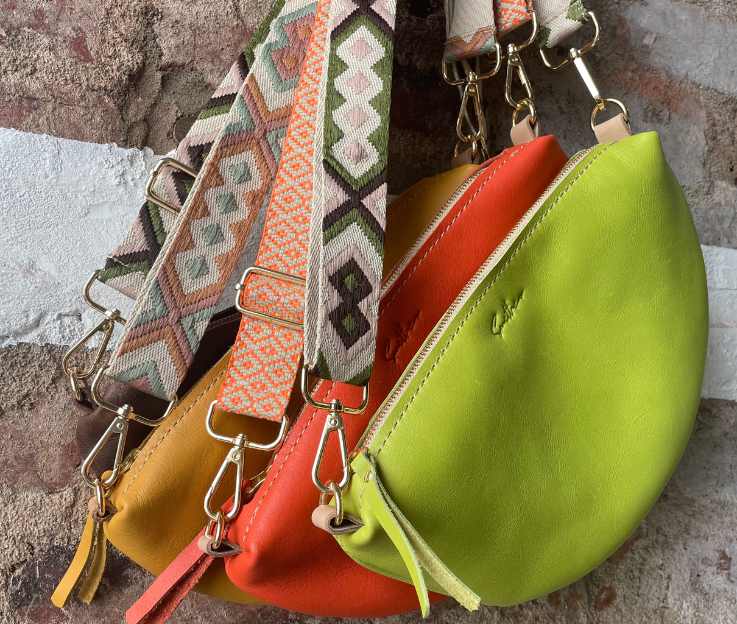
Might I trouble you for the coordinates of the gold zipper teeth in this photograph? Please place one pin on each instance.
(431, 341)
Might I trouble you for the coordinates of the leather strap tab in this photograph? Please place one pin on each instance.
(523, 131)
(166, 593)
(612, 130)
(86, 569)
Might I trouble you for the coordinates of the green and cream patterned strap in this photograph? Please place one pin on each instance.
(349, 193)
(183, 287)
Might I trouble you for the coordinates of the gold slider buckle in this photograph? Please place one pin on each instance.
(151, 195)
(278, 275)
(77, 375)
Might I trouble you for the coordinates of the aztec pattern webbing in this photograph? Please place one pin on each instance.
(349, 198)
(511, 14)
(128, 264)
(188, 277)
(558, 20)
(473, 26)
(265, 357)
(470, 29)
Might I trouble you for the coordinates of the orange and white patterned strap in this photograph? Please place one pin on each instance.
(266, 354)
(327, 213)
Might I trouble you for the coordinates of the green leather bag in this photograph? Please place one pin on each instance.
(543, 416)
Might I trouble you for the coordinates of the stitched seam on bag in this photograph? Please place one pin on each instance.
(147, 456)
(500, 164)
(485, 292)
(282, 464)
(399, 288)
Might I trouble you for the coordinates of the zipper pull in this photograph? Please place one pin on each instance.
(85, 571)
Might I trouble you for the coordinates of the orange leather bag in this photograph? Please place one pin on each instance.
(284, 559)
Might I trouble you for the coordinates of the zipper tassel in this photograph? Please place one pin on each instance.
(415, 551)
(85, 571)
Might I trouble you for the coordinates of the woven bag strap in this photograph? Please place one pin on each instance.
(314, 288)
(182, 289)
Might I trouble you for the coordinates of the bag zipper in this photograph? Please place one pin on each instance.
(431, 341)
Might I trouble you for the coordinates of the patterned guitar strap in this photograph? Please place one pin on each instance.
(326, 218)
(186, 279)
(128, 264)
(313, 293)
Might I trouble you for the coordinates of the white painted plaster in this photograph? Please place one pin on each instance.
(64, 205)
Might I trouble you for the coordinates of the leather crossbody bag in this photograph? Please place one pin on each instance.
(544, 413)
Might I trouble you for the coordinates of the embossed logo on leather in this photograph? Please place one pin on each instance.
(500, 319)
(403, 331)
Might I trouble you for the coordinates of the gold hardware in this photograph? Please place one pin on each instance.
(118, 430)
(334, 424)
(236, 456)
(471, 126)
(344, 409)
(151, 195)
(105, 327)
(583, 50)
(455, 81)
(602, 106)
(285, 277)
(576, 56)
(125, 410)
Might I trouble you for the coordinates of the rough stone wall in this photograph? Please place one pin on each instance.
(135, 72)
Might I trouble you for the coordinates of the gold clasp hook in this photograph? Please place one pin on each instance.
(334, 424)
(517, 73)
(235, 457)
(576, 56)
(79, 374)
(471, 127)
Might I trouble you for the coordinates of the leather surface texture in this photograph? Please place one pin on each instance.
(287, 561)
(537, 432)
(158, 501)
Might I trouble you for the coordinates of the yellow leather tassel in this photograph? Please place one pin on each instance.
(85, 570)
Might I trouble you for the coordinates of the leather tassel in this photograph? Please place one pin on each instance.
(166, 593)
(86, 569)
(415, 551)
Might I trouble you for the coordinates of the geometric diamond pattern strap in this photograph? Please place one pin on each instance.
(349, 199)
(558, 20)
(128, 264)
(265, 357)
(511, 14)
(182, 289)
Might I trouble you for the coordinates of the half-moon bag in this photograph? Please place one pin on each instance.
(547, 409)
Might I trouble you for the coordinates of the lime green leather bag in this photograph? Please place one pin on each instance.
(545, 413)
